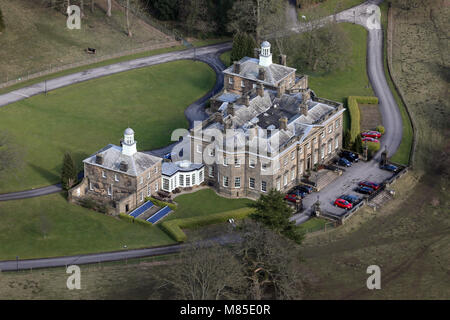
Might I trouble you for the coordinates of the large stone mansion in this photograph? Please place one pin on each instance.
(267, 131)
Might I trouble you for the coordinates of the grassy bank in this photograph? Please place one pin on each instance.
(49, 226)
(84, 117)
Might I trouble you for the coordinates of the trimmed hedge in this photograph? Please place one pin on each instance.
(173, 227)
(355, 116)
(372, 148)
(161, 204)
(131, 219)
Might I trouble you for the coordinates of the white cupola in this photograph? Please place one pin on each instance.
(128, 145)
(265, 57)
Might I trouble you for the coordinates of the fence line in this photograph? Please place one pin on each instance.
(87, 62)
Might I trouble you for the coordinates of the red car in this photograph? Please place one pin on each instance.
(291, 198)
(370, 139)
(370, 184)
(343, 203)
(371, 134)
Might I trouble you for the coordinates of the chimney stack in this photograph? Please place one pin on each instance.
(237, 67)
(219, 117)
(304, 104)
(283, 59)
(246, 100)
(228, 123)
(283, 123)
(262, 74)
(280, 92)
(260, 90)
(99, 159)
(230, 108)
(123, 166)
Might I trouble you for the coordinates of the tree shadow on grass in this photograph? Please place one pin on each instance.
(50, 176)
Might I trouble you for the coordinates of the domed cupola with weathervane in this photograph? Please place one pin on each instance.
(129, 144)
(265, 56)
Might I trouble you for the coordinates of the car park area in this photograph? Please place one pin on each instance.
(344, 185)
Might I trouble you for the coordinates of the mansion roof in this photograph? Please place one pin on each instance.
(170, 168)
(249, 69)
(137, 164)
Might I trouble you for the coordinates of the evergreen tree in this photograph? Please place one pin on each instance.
(358, 145)
(69, 172)
(274, 212)
(243, 46)
(347, 139)
(250, 45)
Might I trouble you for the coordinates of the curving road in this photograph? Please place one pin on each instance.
(195, 111)
(364, 170)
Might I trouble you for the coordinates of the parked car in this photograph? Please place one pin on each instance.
(364, 190)
(342, 203)
(368, 139)
(344, 162)
(351, 198)
(291, 198)
(371, 134)
(299, 193)
(369, 184)
(304, 188)
(350, 156)
(389, 167)
(168, 156)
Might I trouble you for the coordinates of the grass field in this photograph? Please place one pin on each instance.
(85, 117)
(50, 226)
(328, 7)
(225, 57)
(42, 39)
(204, 202)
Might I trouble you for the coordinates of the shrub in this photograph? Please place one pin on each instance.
(88, 203)
(372, 148)
(126, 217)
(161, 204)
(173, 227)
(380, 129)
(355, 116)
(143, 222)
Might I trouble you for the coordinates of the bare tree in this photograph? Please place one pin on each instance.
(108, 11)
(257, 16)
(204, 272)
(271, 263)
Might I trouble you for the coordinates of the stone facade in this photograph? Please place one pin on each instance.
(307, 131)
(119, 180)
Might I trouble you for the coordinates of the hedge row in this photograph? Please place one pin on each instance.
(355, 116)
(131, 219)
(161, 204)
(173, 227)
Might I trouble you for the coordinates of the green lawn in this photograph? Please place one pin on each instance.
(50, 226)
(313, 224)
(353, 80)
(85, 117)
(90, 66)
(328, 7)
(204, 202)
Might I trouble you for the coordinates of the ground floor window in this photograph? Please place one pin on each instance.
(165, 185)
(193, 178)
(251, 183)
(142, 196)
(237, 182)
(336, 145)
(330, 143)
(285, 179)
(211, 172)
(181, 180)
(149, 190)
(263, 186)
(188, 181)
(225, 181)
(293, 173)
(200, 176)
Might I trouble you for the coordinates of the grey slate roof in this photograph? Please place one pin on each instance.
(112, 157)
(250, 70)
(168, 169)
